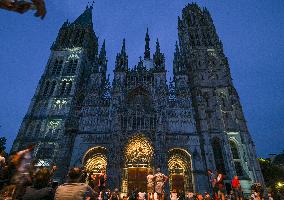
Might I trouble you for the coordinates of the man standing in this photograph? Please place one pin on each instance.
(160, 180)
(237, 188)
(2, 161)
(102, 183)
(221, 186)
(212, 179)
(74, 189)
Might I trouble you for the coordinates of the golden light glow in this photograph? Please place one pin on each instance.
(179, 163)
(96, 164)
(280, 185)
(95, 159)
(138, 151)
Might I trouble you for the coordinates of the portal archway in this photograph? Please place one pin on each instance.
(179, 166)
(95, 159)
(138, 155)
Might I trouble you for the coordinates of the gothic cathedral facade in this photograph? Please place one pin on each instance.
(139, 121)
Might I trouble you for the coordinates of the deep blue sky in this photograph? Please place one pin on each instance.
(252, 33)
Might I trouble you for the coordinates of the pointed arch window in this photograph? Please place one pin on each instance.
(69, 87)
(236, 157)
(66, 87)
(234, 149)
(57, 67)
(72, 66)
(218, 155)
(63, 87)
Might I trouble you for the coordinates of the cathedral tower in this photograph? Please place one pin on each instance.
(227, 144)
(52, 118)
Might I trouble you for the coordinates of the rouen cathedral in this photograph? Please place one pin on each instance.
(139, 121)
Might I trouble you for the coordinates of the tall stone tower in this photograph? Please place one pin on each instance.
(52, 118)
(227, 144)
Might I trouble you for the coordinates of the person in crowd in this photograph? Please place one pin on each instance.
(199, 196)
(174, 195)
(40, 190)
(115, 194)
(231, 195)
(92, 181)
(141, 196)
(213, 179)
(270, 196)
(102, 183)
(207, 196)
(106, 194)
(74, 189)
(160, 180)
(133, 195)
(181, 195)
(221, 186)
(237, 188)
(2, 161)
(190, 196)
(22, 177)
(150, 185)
(156, 196)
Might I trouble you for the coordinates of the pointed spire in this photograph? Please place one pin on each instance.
(158, 57)
(85, 19)
(147, 46)
(158, 50)
(177, 62)
(123, 46)
(103, 58)
(103, 50)
(121, 62)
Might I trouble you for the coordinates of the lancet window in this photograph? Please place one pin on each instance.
(71, 67)
(57, 67)
(218, 155)
(236, 157)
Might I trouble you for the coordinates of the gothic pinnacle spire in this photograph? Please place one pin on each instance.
(158, 50)
(123, 46)
(103, 49)
(147, 46)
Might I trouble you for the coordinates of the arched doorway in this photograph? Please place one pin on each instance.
(95, 161)
(179, 165)
(138, 155)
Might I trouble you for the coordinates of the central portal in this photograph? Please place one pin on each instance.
(138, 154)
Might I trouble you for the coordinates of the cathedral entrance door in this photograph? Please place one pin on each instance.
(179, 165)
(137, 179)
(177, 182)
(138, 162)
(95, 161)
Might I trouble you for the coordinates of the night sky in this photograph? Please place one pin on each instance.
(251, 32)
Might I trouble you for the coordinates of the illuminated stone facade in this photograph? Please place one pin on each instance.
(140, 121)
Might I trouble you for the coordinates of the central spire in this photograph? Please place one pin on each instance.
(147, 46)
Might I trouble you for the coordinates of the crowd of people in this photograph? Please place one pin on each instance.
(21, 180)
